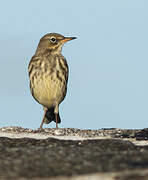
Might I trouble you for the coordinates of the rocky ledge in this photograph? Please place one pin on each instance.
(73, 154)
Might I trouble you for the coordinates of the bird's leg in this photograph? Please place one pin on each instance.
(45, 110)
(56, 117)
(56, 111)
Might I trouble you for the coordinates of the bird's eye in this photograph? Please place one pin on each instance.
(52, 39)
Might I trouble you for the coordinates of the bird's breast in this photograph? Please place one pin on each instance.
(50, 82)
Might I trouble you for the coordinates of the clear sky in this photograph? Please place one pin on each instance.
(108, 83)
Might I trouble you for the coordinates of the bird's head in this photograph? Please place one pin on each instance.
(53, 42)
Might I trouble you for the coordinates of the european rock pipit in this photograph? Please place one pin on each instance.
(48, 73)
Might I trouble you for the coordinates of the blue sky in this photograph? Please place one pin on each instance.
(108, 83)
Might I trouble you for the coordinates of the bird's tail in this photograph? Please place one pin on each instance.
(50, 116)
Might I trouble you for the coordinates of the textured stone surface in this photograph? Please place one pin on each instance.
(104, 153)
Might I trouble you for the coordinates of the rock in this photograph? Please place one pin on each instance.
(73, 154)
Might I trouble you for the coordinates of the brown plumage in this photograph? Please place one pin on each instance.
(48, 73)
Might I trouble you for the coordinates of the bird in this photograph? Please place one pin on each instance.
(48, 73)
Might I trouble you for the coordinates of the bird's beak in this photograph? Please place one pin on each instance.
(68, 39)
